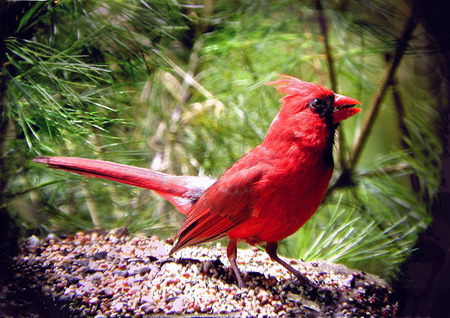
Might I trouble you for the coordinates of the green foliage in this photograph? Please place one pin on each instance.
(180, 88)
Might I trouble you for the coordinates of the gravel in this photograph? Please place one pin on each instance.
(112, 274)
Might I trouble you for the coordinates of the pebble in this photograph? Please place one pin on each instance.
(34, 241)
(111, 274)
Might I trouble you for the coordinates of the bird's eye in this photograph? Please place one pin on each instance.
(316, 103)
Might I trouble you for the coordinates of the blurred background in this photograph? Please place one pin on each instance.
(178, 86)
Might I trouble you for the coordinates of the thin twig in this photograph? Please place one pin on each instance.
(401, 166)
(91, 205)
(30, 189)
(414, 179)
(341, 146)
(400, 110)
(323, 31)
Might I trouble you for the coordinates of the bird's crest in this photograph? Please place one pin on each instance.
(292, 87)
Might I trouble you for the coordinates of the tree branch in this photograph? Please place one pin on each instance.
(372, 111)
(345, 176)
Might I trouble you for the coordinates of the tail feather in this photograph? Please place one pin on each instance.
(181, 191)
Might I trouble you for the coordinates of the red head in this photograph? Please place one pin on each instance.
(304, 96)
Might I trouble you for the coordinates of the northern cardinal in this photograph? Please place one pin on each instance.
(268, 194)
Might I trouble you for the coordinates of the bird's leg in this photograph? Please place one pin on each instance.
(271, 249)
(231, 253)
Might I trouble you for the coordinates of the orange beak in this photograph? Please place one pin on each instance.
(344, 108)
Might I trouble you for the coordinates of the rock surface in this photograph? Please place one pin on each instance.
(111, 274)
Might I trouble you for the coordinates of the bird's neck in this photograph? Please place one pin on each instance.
(303, 138)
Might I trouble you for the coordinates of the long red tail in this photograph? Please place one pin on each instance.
(181, 191)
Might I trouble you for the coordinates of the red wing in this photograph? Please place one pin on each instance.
(226, 204)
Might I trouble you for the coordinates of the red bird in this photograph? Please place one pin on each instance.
(268, 194)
